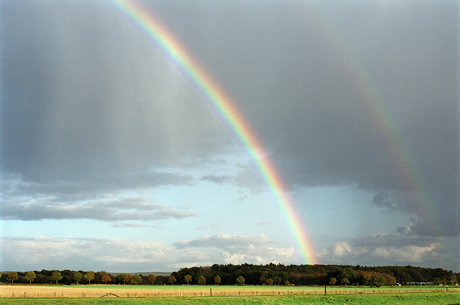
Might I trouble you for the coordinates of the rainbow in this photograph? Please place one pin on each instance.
(226, 109)
(409, 173)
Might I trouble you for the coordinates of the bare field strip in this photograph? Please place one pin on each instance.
(36, 291)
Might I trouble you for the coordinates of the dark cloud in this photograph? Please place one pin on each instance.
(382, 199)
(79, 104)
(373, 102)
(217, 179)
(350, 93)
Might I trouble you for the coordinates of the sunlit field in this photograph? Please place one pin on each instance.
(440, 298)
(168, 291)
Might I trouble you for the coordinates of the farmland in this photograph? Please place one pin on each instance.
(168, 291)
(439, 298)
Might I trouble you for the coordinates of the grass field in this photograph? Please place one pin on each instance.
(94, 294)
(439, 298)
(93, 291)
(19, 292)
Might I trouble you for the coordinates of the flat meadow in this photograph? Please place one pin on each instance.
(121, 294)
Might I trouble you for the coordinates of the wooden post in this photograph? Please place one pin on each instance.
(210, 292)
(325, 292)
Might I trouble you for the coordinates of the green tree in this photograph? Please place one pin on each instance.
(30, 276)
(201, 280)
(277, 280)
(188, 278)
(172, 280)
(77, 277)
(379, 281)
(121, 278)
(152, 278)
(344, 281)
(12, 276)
(240, 281)
(367, 279)
(89, 276)
(56, 276)
(217, 280)
(347, 273)
(136, 279)
(127, 279)
(332, 281)
(269, 282)
(263, 277)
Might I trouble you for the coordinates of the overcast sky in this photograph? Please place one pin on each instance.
(112, 158)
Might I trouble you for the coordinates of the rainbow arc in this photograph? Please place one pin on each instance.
(227, 110)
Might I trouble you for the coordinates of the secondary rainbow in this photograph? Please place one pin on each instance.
(409, 172)
(225, 107)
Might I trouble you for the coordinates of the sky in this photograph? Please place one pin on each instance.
(114, 155)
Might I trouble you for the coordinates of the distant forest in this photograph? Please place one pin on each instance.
(248, 274)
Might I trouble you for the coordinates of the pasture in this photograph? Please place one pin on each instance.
(50, 292)
(429, 298)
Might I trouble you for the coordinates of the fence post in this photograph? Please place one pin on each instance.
(325, 292)
(210, 292)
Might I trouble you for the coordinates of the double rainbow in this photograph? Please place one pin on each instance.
(226, 108)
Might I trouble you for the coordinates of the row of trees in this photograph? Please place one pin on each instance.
(308, 275)
(68, 277)
(248, 274)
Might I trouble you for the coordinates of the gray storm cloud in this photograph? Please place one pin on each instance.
(85, 96)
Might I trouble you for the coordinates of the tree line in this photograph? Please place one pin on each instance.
(69, 277)
(249, 274)
(310, 275)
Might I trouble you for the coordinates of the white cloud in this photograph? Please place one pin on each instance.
(341, 248)
(412, 253)
(389, 249)
(118, 255)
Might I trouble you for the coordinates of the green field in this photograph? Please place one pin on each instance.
(440, 298)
